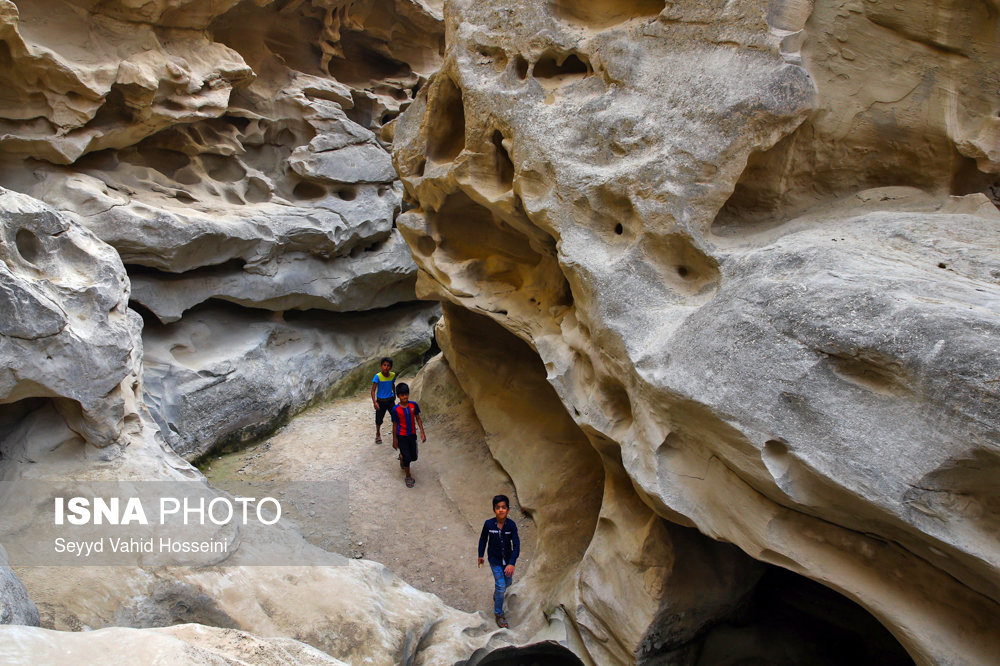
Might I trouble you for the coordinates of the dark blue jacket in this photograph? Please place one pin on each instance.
(503, 547)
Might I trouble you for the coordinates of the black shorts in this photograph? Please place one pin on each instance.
(407, 448)
(384, 405)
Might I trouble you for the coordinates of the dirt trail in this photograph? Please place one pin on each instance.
(426, 534)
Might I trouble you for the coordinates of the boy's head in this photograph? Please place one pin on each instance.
(501, 505)
(402, 392)
(386, 363)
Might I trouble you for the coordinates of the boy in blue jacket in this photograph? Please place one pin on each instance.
(500, 541)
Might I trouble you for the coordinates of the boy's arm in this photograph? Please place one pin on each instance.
(374, 386)
(420, 423)
(515, 549)
(482, 541)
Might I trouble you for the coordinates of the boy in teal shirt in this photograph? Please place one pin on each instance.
(383, 394)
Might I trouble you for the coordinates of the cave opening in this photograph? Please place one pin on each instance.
(787, 620)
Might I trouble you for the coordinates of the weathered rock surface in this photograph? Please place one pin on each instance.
(15, 605)
(228, 151)
(222, 374)
(65, 298)
(378, 276)
(187, 643)
(704, 223)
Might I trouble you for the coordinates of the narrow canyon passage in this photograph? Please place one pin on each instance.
(426, 534)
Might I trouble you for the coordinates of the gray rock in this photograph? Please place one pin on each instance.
(66, 331)
(222, 375)
(15, 605)
(376, 277)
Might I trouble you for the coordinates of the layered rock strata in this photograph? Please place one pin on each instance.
(231, 151)
(759, 279)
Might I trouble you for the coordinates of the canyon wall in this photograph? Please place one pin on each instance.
(234, 156)
(732, 265)
(720, 279)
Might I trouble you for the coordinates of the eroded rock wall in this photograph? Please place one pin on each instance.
(753, 247)
(229, 152)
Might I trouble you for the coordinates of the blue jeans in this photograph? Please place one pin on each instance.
(502, 583)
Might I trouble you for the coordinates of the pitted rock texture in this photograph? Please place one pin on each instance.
(222, 375)
(761, 279)
(197, 137)
(65, 298)
(228, 151)
(16, 606)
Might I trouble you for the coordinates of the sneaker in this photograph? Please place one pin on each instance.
(378, 439)
(501, 621)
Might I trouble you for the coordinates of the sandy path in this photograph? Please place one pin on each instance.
(427, 534)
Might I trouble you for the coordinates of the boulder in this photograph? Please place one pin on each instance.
(65, 298)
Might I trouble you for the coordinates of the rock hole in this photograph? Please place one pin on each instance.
(942, 265)
(521, 67)
(870, 370)
(306, 191)
(605, 13)
(240, 124)
(548, 653)
(347, 193)
(173, 105)
(184, 197)
(421, 165)
(446, 137)
(364, 60)
(619, 229)
(426, 245)
(493, 56)
(776, 458)
(685, 268)
(790, 619)
(503, 166)
(223, 169)
(28, 245)
(167, 162)
(569, 67)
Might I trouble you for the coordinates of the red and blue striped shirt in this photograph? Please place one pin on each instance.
(403, 418)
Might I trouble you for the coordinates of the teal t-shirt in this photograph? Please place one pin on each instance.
(386, 385)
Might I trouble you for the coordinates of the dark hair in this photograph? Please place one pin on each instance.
(402, 388)
(501, 498)
(384, 359)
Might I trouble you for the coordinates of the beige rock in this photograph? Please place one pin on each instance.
(619, 185)
(184, 643)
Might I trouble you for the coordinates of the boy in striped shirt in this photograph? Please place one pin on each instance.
(405, 421)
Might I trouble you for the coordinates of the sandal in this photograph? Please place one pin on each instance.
(409, 481)
(378, 439)
(501, 620)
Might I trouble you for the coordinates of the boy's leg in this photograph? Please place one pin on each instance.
(407, 446)
(500, 583)
(384, 405)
